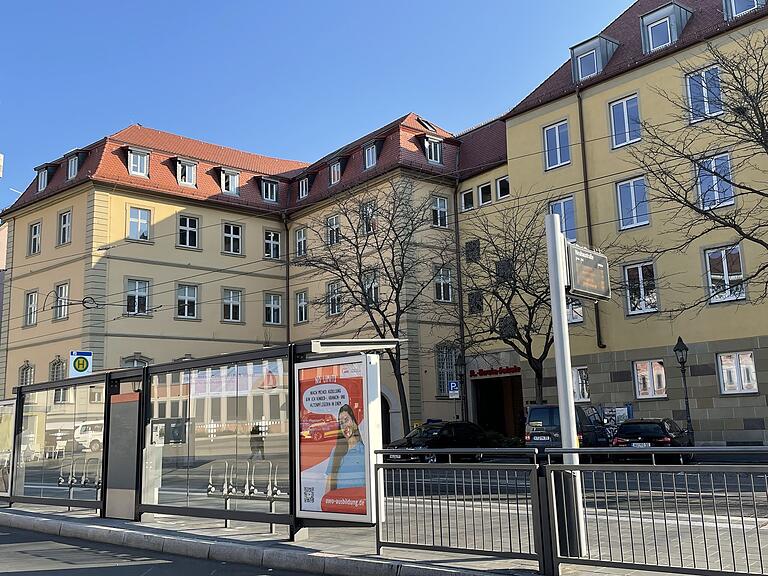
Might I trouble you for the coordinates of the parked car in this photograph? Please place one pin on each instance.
(542, 428)
(90, 435)
(651, 433)
(439, 435)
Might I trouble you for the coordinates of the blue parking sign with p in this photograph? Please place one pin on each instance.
(454, 390)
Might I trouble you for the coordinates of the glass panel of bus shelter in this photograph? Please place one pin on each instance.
(7, 410)
(88, 436)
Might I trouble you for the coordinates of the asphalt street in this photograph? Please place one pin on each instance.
(36, 554)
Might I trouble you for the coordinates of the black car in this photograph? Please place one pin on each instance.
(651, 433)
(439, 435)
(542, 428)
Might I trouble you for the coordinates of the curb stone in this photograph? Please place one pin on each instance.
(239, 553)
(286, 559)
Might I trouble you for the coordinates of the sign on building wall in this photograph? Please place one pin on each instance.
(588, 272)
(80, 363)
(454, 390)
(339, 427)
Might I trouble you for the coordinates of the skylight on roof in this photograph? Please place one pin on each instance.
(426, 125)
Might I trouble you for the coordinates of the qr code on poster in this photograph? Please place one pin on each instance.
(309, 494)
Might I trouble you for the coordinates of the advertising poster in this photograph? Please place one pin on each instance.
(334, 440)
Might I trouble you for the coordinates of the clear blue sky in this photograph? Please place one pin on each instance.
(293, 79)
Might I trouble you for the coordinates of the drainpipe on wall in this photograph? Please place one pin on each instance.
(585, 182)
(287, 281)
(462, 363)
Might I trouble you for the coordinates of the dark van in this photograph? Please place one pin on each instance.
(542, 428)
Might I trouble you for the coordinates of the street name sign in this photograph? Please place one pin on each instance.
(588, 272)
(80, 363)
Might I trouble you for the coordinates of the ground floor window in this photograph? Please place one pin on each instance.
(446, 356)
(581, 384)
(650, 379)
(737, 372)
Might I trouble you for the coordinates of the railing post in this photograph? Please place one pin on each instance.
(544, 545)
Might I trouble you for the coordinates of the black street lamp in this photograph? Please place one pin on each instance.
(681, 352)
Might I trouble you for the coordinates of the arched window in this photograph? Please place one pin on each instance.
(137, 360)
(26, 374)
(57, 369)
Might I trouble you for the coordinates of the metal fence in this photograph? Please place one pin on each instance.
(664, 513)
(460, 501)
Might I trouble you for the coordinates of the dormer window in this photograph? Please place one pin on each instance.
(42, 179)
(664, 26)
(186, 172)
(434, 150)
(72, 166)
(230, 181)
(735, 8)
(370, 156)
(269, 190)
(659, 34)
(335, 173)
(138, 162)
(587, 65)
(304, 187)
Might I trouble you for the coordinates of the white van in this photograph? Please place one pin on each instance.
(90, 435)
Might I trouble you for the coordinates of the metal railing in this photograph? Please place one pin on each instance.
(460, 501)
(660, 514)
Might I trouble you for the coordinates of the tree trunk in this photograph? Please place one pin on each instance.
(395, 360)
(539, 386)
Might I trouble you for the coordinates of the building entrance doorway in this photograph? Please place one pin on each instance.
(499, 403)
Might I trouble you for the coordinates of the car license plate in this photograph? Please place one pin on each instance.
(541, 438)
(395, 456)
(641, 444)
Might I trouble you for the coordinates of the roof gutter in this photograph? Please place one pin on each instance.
(585, 183)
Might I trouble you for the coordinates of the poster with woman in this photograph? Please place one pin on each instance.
(334, 437)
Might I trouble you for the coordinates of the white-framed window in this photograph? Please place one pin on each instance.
(72, 162)
(371, 287)
(64, 235)
(574, 311)
(30, 309)
(370, 156)
(445, 358)
(232, 302)
(587, 64)
(188, 227)
(335, 173)
(230, 182)
(35, 231)
(484, 194)
(659, 34)
(633, 203)
(269, 190)
(368, 217)
(302, 307)
(704, 94)
(301, 242)
(303, 187)
(61, 305)
(640, 282)
(739, 7)
(334, 299)
(186, 172)
(138, 223)
(137, 297)
(581, 384)
(650, 379)
(273, 304)
(557, 147)
(138, 163)
(443, 289)
(565, 208)
(186, 301)
(233, 238)
(737, 373)
(714, 182)
(61, 395)
(57, 369)
(502, 187)
(271, 244)
(440, 212)
(434, 150)
(333, 229)
(42, 179)
(724, 274)
(625, 121)
(467, 200)
(27, 376)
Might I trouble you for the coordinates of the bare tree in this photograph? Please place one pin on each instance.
(706, 165)
(507, 285)
(379, 251)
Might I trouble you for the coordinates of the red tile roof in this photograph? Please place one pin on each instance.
(483, 148)
(707, 21)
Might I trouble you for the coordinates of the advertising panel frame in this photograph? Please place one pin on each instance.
(370, 371)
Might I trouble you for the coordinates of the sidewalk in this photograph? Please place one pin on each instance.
(336, 551)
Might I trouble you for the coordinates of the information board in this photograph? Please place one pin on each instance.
(588, 272)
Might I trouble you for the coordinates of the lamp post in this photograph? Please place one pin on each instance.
(681, 352)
